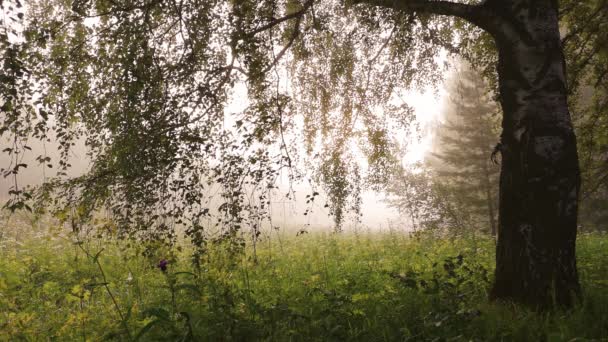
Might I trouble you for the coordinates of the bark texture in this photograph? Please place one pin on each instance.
(540, 177)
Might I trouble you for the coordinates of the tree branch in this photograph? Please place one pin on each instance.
(275, 22)
(471, 13)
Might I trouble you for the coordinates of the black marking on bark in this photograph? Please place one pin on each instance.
(499, 148)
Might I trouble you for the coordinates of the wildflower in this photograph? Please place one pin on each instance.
(163, 265)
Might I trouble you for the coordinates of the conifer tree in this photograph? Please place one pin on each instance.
(462, 149)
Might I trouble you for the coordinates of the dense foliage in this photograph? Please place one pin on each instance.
(147, 86)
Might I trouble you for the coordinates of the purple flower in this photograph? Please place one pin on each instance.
(163, 265)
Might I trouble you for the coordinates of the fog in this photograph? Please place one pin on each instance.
(375, 213)
(285, 212)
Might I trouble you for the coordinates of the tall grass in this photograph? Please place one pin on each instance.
(314, 287)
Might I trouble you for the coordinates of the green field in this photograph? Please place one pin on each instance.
(313, 287)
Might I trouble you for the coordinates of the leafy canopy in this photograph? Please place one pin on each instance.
(147, 84)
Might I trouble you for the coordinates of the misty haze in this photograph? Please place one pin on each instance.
(303, 170)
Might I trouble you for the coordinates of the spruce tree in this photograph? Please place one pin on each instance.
(463, 147)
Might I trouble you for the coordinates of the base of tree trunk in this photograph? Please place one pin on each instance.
(538, 280)
(536, 248)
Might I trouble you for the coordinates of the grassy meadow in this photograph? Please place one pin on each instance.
(381, 286)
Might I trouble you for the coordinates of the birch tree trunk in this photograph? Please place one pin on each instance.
(540, 177)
